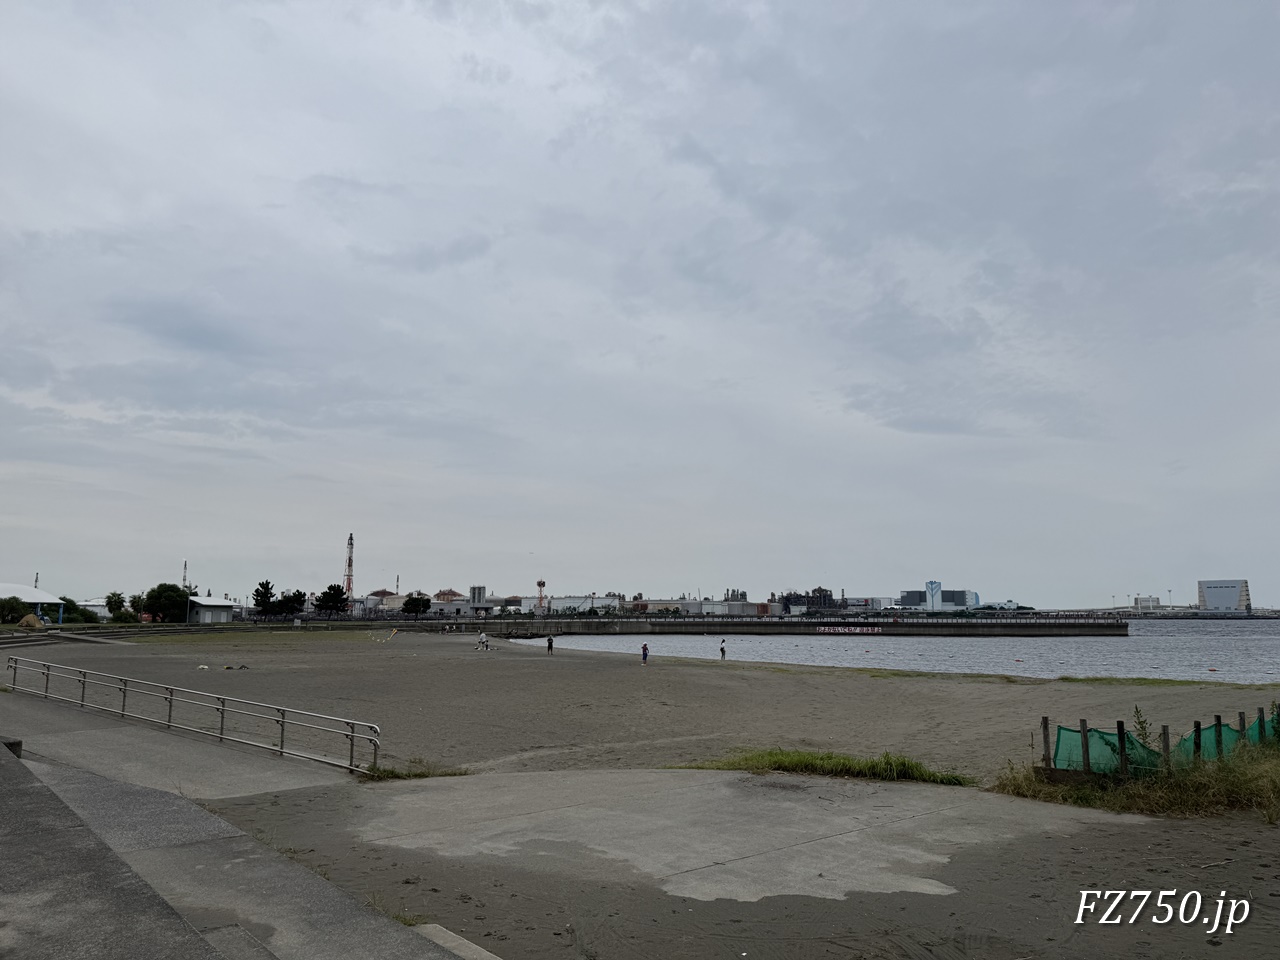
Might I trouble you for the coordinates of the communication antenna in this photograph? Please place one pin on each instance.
(348, 578)
(184, 575)
(37, 583)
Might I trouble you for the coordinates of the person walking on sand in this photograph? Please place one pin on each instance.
(722, 649)
(551, 643)
(644, 654)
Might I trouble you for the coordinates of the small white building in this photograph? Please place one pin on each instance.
(97, 605)
(210, 610)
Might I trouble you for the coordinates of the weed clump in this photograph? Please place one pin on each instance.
(887, 766)
(1247, 779)
(415, 768)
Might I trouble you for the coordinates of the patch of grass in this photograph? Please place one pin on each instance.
(374, 901)
(1142, 681)
(885, 673)
(1248, 779)
(887, 766)
(415, 768)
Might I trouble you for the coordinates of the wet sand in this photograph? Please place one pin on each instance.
(516, 709)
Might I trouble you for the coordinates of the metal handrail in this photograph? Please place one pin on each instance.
(351, 730)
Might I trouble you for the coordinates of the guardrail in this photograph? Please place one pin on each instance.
(242, 713)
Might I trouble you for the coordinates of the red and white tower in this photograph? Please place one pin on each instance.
(348, 578)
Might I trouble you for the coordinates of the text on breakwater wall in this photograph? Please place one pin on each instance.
(849, 630)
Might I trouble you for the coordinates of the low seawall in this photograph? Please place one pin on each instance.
(905, 627)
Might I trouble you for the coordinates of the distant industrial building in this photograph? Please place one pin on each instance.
(1146, 604)
(209, 610)
(1224, 596)
(933, 598)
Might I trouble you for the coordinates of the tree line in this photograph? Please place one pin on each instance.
(171, 603)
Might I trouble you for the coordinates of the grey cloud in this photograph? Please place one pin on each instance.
(181, 324)
(643, 261)
(428, 258)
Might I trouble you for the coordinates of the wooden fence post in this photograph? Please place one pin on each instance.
(1262, 725)
(1217, 733)
(1044, 732)
(1244, 727)
(1084, 746)
(1196, 742)
(1124, 748)
(1164, 747)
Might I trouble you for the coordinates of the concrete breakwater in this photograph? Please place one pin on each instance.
(902, 627)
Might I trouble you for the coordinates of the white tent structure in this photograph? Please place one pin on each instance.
(32, 595)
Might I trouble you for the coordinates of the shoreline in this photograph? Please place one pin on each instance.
(887, 670)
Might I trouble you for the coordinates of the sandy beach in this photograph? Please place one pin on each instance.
(515, 709)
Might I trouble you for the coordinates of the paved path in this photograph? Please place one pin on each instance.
(131, 751)
(108, 867)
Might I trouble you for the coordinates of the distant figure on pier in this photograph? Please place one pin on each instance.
(551, 645)
(722, 649)
(644, 654)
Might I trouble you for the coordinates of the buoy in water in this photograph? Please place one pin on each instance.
(1016, 660)
(1213, 669)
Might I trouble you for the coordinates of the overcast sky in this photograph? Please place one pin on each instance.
(660, 297)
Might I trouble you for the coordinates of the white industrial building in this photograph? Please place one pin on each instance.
(933, 598)
(1224, 596)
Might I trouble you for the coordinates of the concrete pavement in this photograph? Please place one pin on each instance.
(100, 867)
(65, 894)
(708, 835)
(133, 752)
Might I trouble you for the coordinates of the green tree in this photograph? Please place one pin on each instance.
(72, 612)
(332, 600)
(167, 603)
(12, 609)
(291, 604)
(135, 603)
(416, 604)
(264, 598)
(124, 616)
(115, 602)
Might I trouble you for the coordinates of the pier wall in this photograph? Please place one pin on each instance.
(909, 627)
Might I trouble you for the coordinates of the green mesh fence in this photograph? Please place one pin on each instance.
(1104, 747)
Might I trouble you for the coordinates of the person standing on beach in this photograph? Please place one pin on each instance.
(721, 649)
(644, 654)
(551, 646)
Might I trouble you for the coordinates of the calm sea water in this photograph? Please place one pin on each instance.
(1234, 651)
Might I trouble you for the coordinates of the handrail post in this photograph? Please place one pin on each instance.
(83, 684)
(281, 711)
(46, 681)
(351, 742)
(168, 722)
(1123, 740)
(124, 693)
(1084, 746)
(222, 717)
